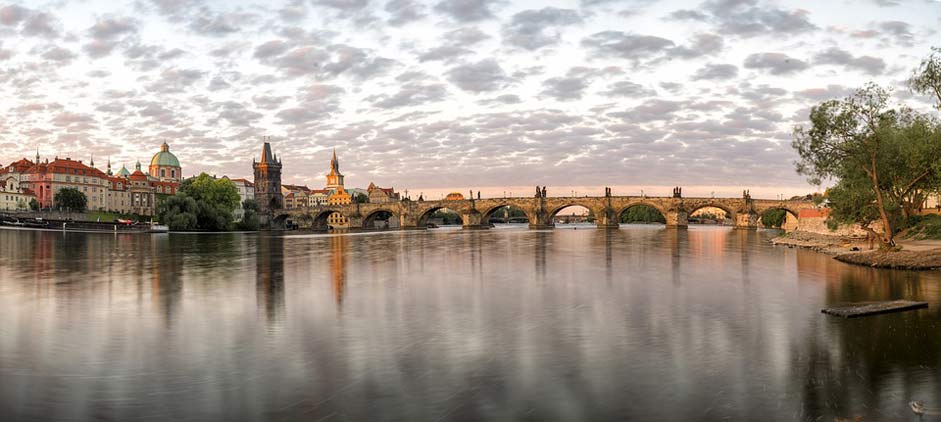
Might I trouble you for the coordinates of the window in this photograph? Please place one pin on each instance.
(173, 173)
(163, 172)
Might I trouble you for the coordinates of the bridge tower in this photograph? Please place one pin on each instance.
(267, 182)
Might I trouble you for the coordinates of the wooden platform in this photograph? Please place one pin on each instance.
(862, 309)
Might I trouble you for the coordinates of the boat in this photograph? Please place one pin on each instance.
(159, 228)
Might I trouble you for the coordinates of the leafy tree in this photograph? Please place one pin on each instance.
(250, 219)
(220, 193)
(774, 218)
(642, 214)
(877, 154)
(70, 199)
(448, 217)
(178, 212)
(360, 198)
(33, 204)
(201, 203)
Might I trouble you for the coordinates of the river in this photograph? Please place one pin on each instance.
(641, 323)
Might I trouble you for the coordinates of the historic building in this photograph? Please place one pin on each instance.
(381, 195)
(124, 192)
(268, 181)
(339, 197)
(165, 166)
(334, 178)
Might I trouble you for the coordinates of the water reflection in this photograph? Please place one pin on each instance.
(642, 323)
(269, 277)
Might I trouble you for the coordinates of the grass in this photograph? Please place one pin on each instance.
(923, 227)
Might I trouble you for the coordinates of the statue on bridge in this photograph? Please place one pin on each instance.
(677, 192)
(746, 195)
(543, 191)
(607, 192)
(420, 198)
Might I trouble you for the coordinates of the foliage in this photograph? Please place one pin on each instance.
(360, 198)
(33, 204)
(201, 203)
(922, 227)
(447, 216)
(70, 199)
(249, 220)
(884, 160)
(22, 205)
(774, 218)
(220, 193)
(178, 212)
(926, 79)
(642, 214)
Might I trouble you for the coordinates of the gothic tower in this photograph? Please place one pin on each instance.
(334, 178)
(267, 181)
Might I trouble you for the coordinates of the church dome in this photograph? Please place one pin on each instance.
(165, 157)
(124, 172)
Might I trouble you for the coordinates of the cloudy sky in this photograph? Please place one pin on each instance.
(451, 94)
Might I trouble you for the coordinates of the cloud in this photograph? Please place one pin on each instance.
(626, 46)
(533, 29)
(111, 27)
(402, 12)
(775, 63)
(482, 76)
(13, 14)
(465, 10)
(628, 89)
(748, 18)
(564, 88)
(220, 24)
(59, 54)
(270, 49)
(411, 94)
(837, 56)
(713, 72)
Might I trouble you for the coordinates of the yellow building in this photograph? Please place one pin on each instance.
(339, 197)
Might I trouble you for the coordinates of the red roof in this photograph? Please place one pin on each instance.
(66, 166)
(18, 166)
(138, 175)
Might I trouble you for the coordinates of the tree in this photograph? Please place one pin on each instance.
(250, 220)
(642, 214)
(33, 204)
(201, 203)
(70, 199)
(360, 198)
(886, 156)
(774, 218)
(178, 212)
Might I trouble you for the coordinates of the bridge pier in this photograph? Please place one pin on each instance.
(746, 221)
(607, 218)
(677, 219)
(472, 221)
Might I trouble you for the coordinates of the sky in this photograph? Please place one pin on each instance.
(452, 95)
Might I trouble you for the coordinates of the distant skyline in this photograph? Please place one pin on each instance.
(452, 94)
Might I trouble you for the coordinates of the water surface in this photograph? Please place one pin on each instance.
(641, 323)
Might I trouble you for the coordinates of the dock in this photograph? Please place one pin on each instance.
(854, 310)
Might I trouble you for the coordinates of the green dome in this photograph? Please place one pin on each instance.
(165, 157)
(124, 172)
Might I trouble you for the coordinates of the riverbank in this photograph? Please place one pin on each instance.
(911, 255)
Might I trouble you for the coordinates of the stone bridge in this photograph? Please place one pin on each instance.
(540, 211)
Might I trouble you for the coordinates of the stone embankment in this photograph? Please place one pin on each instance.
(910, 255)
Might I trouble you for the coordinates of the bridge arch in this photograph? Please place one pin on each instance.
(791, 219)
(644, 204)
(509, 212)
(592, 215)
(730, 212)
(425, 215)
(381, 218)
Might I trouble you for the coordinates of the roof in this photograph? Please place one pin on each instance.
(165, 157)
(66, 166)
(124, 171)
(244, 181)
(138, 176)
